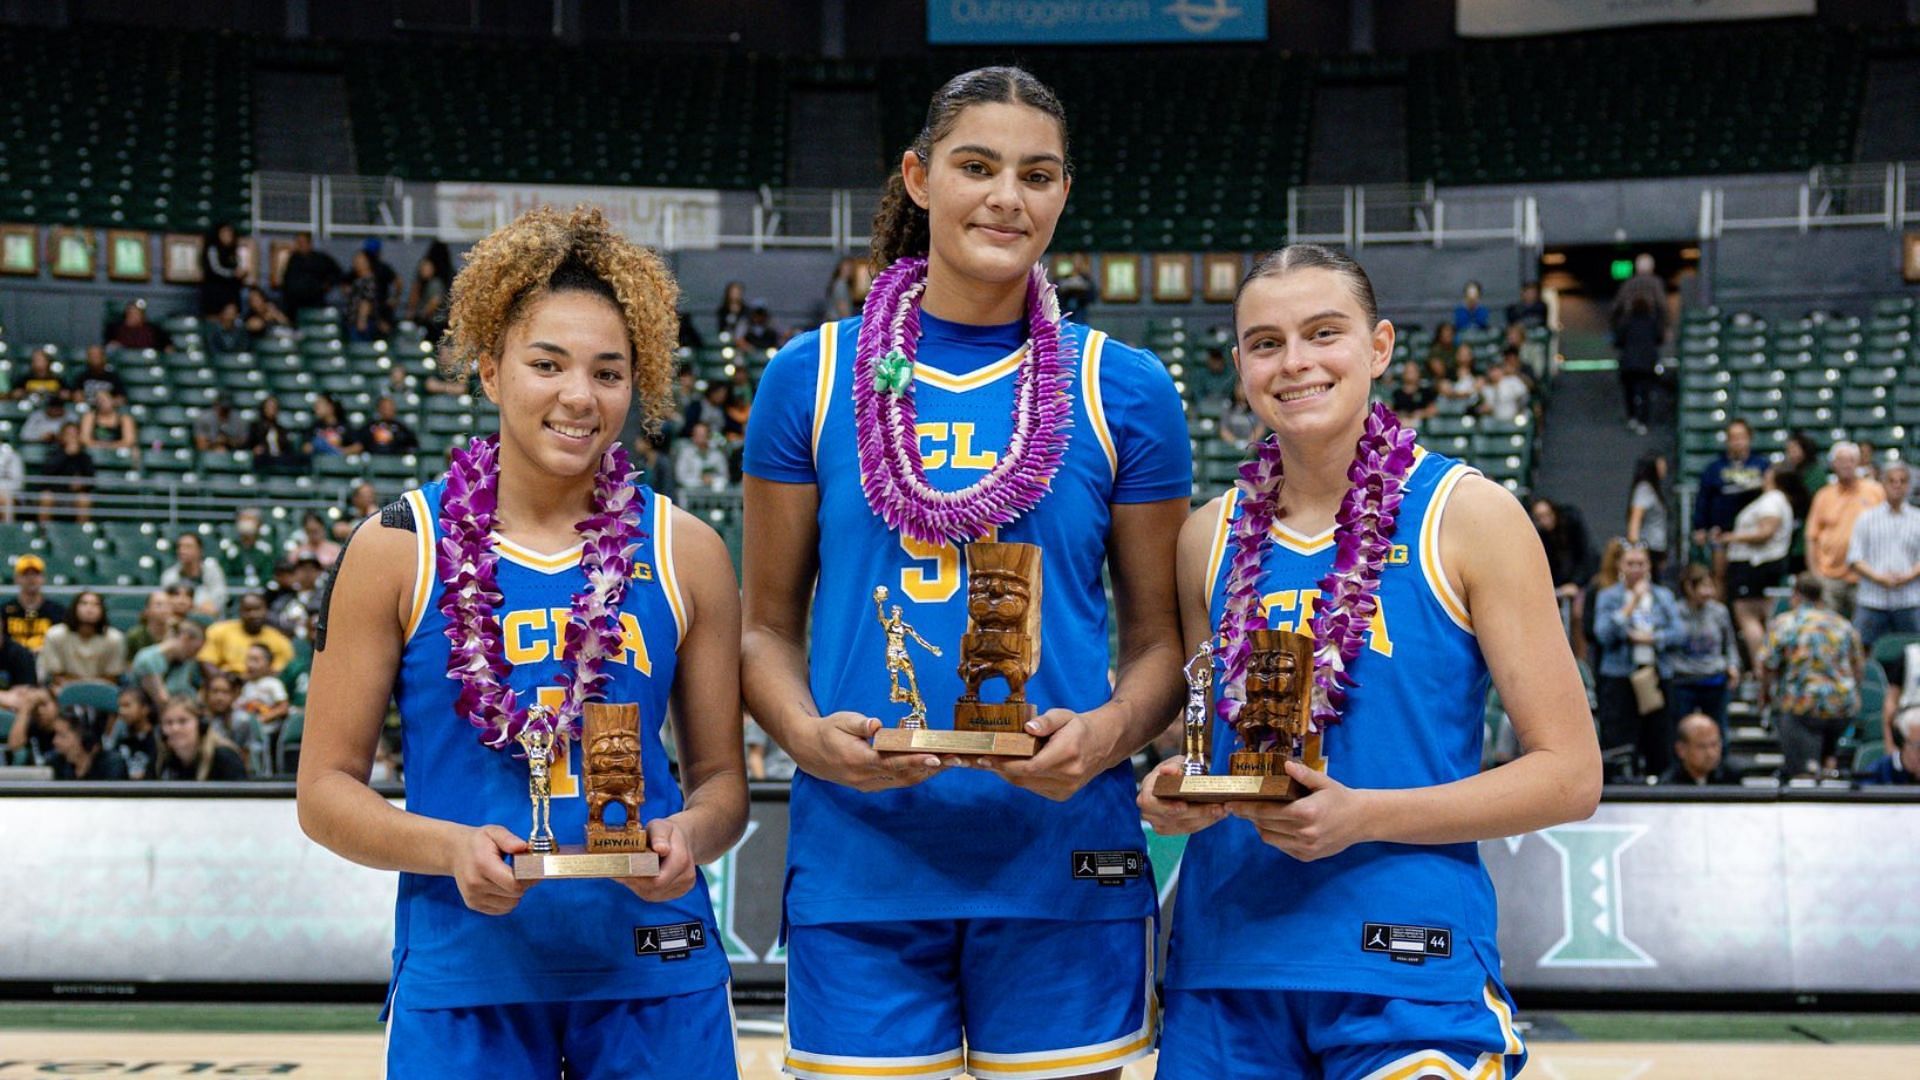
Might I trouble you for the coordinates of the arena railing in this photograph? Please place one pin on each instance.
(1358, 215)
(1883, 195)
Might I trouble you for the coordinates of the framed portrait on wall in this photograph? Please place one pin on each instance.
(70, 252)
(247, 257)
(20, 250)
(1220, 277)
(1120, 279)
(1172, 279)
(129, 255)
(180, 259)
(1910, 256)
(277, 253)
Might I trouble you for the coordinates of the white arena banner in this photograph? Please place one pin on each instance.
(678, 218)
(1512, 18)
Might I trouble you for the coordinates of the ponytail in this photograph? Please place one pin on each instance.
(901, 227)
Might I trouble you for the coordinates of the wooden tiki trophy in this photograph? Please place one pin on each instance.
(1273, 723)
(1002, 640)
(610, 771)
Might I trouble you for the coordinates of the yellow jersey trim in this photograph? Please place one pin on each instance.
(823, 382)
(424, 562)
(1221, 529)
(538, 561)
(663, 553)
(1430, 565)
(814, 1065)
(1090, 394)
(960, 384)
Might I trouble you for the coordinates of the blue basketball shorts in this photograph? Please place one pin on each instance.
(1321, 1035)
(999, 998)
(683, 1037)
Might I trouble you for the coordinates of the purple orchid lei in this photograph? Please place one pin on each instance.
(891, 471)
(467, 565)
(1364, 526)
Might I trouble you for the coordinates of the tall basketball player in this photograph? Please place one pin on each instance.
(1351, 933)
(936, 919)
(541, 566)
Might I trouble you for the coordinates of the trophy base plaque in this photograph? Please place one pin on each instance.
(928, 741)
(576, 861)
(1252, 777)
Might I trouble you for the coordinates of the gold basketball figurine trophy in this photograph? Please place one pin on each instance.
(1272, 723)
(610, 769)
(1002, 638)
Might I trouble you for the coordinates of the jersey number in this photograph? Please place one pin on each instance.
(937, 583)
(563, 782)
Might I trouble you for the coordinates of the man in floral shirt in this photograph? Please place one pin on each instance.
(1813, 666)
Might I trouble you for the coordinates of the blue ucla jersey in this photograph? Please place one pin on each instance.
(567, 940)
(1252, 917)
(966, 843)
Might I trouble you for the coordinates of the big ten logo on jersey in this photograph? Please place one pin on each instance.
(1292, 609)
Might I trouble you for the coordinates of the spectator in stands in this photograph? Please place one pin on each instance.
(248, 559)
(364, 322)
(1238, 425)
(39, 381)
(263, 699)
(219, 427)
(96, 377)
(1638, 330)
(1470, 313)
(192, 568)
(1902, 767)
(133, 331)
(226, 334)
(1757, 558)
(386, 280)
(43, 424)
(1075, 288)
(760, 331)
(135, 732)
(1884, 553)
(229, 639)
(1696, 751)
(190, 749)
(1729, 483)
(13, 480)
(31, 613)
(1530, 312)
(285, 612)
(689, 336)
(686, 392)
(386, 433)
(1211, 381)
(78, 734)
(1441, 351)
(307, 277)
(1563, 533)
(653, 466)
(171, 668)
(71, 462)
(83, 647)
(362, 503)
(1706, 666)
(220, 274)
(307, 573)
(840, 303)
(1460, 392)
(19, 673)
(30, 742)
(274, 448)
(155, 625)
(698, 464)
(1413, 400)
(710, 408)
(263, 315)
(312, 542)
(427, 299)
(1505, 397)
(107, 428)
(1638, 627)
(329, 434)
(220, 698)
(1812, 666)
(1830, 521)
(1647, 509)
(734, 424)
(730, 319)
(1644, 285)
(740, 385)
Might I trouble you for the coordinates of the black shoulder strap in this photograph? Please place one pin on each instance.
(397, 514)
